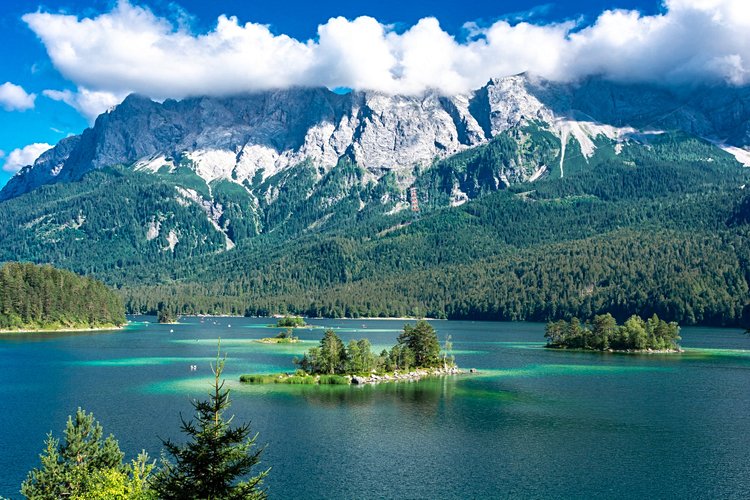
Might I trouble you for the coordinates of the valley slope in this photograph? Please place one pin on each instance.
(536, 200)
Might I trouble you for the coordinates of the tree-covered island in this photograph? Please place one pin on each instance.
(285, 337)
(42, 298)
(291, 322)
(167, 314)
(602, 333)
(416, 354)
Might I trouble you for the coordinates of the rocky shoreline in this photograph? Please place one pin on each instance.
(335, 379)
(274, 340)
(620, 351)
(397, 376)
(646, 351)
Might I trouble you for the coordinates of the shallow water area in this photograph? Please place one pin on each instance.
(530, 423)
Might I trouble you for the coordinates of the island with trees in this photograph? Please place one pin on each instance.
(416, 354)
(291, 322)
(602, 333)
(285, 337)
(166, 314)
(42, 298)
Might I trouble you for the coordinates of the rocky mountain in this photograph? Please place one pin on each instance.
(251, 138)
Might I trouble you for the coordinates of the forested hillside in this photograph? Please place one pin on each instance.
(658, 226)
(44, 298)
(656, 236)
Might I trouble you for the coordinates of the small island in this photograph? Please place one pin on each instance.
(44, 299)
(166, 314)
(291, 322)
(417, 354)
(285, 337)
(602, 333)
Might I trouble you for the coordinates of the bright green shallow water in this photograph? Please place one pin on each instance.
(532, 423)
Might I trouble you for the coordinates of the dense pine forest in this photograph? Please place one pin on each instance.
(44, 298)
(667, 238)
(660, 229)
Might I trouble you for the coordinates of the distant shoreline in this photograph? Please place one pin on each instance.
(64, 330)
(390, 318)
(400, 318)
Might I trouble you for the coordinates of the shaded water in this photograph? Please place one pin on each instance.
(532, 423)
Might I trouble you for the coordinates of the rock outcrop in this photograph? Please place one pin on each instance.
(249, 138)
(402, 376)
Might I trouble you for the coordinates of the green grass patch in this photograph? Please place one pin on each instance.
(258, 379)
(297, 380)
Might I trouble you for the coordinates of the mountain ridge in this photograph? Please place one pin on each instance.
(248, 138)
(539, 201)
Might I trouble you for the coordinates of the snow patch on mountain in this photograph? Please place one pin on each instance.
(538, 173)
(213, 164)
(172, 240)
(154, 227)
(254, 158)
(586, 132)
(213, 211)
(741, 155)
(154, 163)
(248, 139)
(458, 197)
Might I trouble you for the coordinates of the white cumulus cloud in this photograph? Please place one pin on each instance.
(14, 98)
(27, 155)
(89, 103)
(132, 50)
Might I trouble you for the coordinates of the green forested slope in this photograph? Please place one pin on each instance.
(42, 297)
(662, 226)
(667, 238)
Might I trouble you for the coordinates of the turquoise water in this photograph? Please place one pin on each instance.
(532, 423)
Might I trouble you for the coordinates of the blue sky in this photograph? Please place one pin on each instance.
(62, 71)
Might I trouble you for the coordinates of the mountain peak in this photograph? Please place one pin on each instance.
(248, 138)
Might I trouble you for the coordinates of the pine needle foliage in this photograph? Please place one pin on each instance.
(216, 461)
(87, 465)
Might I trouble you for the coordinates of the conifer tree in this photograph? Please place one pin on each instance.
(332, 353)
(422, 340)
(448, 358)
(86, 466)
(217, 459)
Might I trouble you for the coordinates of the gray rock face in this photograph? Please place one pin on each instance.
(45, 170)
(248, 138)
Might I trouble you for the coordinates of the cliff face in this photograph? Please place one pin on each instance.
(239, 138)
(247, 139)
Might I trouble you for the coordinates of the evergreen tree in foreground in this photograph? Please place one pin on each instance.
(217, 458)
(87, 466)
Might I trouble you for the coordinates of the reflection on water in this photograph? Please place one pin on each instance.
(426, 394)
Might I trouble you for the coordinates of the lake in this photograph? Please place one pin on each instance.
(532, 423)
